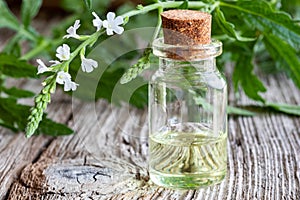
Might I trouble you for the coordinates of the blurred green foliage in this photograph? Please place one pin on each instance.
(254, 33)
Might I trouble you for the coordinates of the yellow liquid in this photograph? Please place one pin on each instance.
(187, 160)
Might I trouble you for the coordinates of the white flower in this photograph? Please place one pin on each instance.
(55, 62)
(70, 85)
(97, 22)
(63, 52)
(88, 65)
(112, 24)
(63, 77)
(42, 67)
(72, 30)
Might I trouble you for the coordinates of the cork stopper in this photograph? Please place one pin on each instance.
(186, 27)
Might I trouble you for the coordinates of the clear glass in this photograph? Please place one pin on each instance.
(187, 117)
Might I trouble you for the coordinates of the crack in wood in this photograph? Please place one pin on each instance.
(42, 150)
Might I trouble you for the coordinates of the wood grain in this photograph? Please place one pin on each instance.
(105, 160)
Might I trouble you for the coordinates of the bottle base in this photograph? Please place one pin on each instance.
(187, 181)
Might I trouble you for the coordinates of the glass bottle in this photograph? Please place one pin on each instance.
(187, 116)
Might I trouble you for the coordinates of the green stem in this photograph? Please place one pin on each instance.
(158, 26)
(27, 34)
(94, 37)
(164, 5)
(41, 47)
(214, 6)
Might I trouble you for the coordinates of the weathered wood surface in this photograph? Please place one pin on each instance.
(102, 160)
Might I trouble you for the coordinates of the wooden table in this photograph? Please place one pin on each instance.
(103, 161)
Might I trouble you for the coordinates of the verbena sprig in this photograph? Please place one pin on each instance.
(61, 68)
(41, 101)
(136, 69)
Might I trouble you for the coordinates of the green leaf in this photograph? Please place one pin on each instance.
(116, 92)
(139, 97)
(228, 28)
(285, 108)
(14, 116)
(239, 111)
(29, 10)
(88, 4)
(8, 126)
(7, 19)
(243, 75)
(49, 127)
(13, 67)
(259, 13)
(8, 114)
(108, 87)
(18, 93)
(13, 47)
(279, 50)
(184, 5)
(291, 6)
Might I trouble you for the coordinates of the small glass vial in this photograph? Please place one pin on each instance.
(187, 116)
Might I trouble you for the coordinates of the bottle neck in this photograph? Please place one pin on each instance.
(185, 60)
(192, 53)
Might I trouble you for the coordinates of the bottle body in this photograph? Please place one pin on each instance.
(187, 123)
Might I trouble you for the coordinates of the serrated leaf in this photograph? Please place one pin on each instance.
(283, 50)
(184, 5)
(243, 76)
(13, 67)
(18, 93)
(88, 4)
(260, 14)
(228, 28)
(29, 10)
(285, 108)
(7, 19)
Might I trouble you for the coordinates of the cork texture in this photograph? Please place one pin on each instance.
(186, 27)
